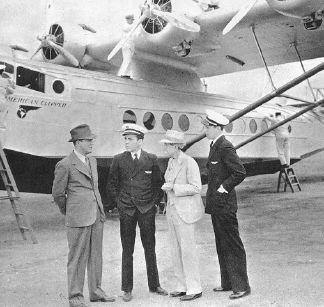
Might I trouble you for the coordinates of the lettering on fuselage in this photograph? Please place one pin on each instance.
(36, 102)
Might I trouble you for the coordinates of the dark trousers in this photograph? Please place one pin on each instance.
(231, 252)
(146, 223)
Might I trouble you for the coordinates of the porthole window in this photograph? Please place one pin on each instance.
(167, 121)
(264, 125)
(183, 122)
(129, 117)
(229, 128)
(253, 126)
(149, 120)
(58, 86)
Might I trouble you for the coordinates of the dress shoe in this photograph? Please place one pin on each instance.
(127, 296)
(77, 302)
(220, 289)
(190, 297)
(235, 295)
(177, 293)
(160, 291)
(102, 298)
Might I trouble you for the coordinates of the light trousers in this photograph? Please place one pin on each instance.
(283, 149)
(184, 253)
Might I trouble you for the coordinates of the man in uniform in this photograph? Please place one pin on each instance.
(282, 139)
(75, 191)
(225, 171)
(135, 183)
(128, 48)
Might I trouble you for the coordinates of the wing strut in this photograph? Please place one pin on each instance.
(294, 44)
(288, 119)
(265, 99)
(262, 57)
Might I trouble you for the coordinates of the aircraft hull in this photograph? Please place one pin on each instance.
(35, 125)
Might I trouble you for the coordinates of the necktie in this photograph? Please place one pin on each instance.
(87, 162)
(135, 159)
(211, 144)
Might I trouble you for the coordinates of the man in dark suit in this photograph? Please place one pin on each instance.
(75, 191)
(135, 184)
(225, 171)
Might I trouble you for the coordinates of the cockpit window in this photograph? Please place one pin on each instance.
(9, 68)
(31, 79)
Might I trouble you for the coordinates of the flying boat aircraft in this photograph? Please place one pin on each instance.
(70, 80)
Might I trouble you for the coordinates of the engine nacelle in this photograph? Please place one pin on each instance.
(297, 8)
(71, 37)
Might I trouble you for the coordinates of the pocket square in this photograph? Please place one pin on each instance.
(213, 162)
(148, 172)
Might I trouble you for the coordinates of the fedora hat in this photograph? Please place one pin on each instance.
(81, 132)
(173, 137)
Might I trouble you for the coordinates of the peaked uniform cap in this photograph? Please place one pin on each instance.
(173, 137)
(134, 129)
(81, 132)
(214, 118)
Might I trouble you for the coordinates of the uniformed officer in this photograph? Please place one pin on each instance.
(135, 182)
(225, 171)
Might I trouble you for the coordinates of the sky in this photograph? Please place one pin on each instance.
(22, 20)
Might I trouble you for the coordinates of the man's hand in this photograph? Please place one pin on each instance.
(168, 186)
(221, 189)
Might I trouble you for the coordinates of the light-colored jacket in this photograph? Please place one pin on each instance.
(76, 192)
(185, 195)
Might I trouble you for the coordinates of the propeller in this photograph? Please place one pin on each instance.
(239, 16)
(123, 41)
(50, 41)
(178, 21)
(150, 9)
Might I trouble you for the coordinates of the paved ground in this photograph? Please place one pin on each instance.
(283, 236)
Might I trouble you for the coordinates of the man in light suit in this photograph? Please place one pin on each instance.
(184, 209)
(135, 184)
(225, 171)
(75, 191)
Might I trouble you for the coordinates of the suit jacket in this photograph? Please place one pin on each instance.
(135, 186)
(76, 192)
(185, 195)
(224, 168)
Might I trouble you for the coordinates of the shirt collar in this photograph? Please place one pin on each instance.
(136, 152)
(80, 156)
(214, 140)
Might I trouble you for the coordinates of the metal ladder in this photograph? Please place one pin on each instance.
(289, 179)
(10, 186)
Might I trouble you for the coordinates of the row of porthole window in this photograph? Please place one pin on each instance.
(149, 122)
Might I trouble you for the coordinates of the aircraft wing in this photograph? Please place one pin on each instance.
(213, 53)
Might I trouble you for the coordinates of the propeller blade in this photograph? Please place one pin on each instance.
(239, 16)
(37, 50)
(126, 37)
(178, 21)
(64, 53)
